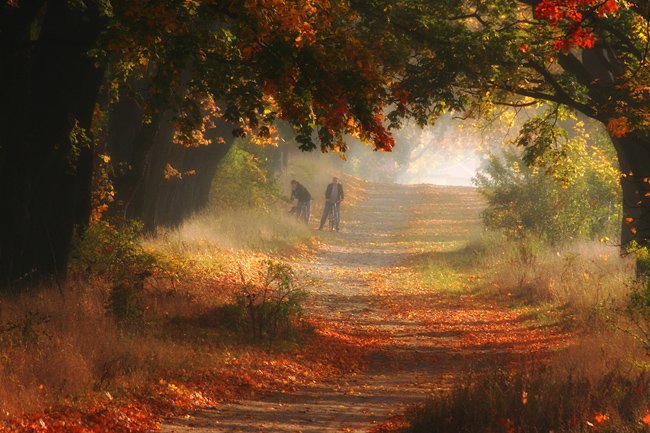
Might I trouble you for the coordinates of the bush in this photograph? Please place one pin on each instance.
(525, 202)
(270, 308)
(126, 300)
(115, 253)
(244, 179)
(105, 249)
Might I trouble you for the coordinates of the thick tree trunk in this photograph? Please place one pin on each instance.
(634, 158)
(155, 194)
(45, 176)
(142, 191)
(599, 70)
(131, 142)
(177, 198)
(209, 162)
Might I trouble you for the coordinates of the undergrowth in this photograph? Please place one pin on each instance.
(268, 308)
(575, 285)
(593, 386)
(270, 230)
(542, 401)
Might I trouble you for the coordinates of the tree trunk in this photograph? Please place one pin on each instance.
(634, 158)
(142, 191)
(131, 141)
(45, 173)
(599, 71)
(172, 200)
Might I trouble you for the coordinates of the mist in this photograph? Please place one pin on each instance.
(450, 152)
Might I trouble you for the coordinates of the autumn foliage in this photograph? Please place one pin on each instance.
(574, 17)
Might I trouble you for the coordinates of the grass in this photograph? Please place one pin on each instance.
(571, 285)
(599, 384)
(56, 347)
(590, 387)
(65, 344)
(453, 271)
(272, 230)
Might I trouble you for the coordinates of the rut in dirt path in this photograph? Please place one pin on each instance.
(392, 224)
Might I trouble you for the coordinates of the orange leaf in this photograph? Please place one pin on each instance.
(600, 417)
(646, 418)
(618, 126)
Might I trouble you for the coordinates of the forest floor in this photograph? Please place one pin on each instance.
(418, 335)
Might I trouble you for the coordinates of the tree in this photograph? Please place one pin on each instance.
(587, 55)
(308, 62)
(578, 204)
(49, 89)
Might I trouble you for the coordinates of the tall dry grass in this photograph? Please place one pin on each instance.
(593, 386)
(63, 343)
(59, 345)
(581, 276)
(600, 383)
(271, 230)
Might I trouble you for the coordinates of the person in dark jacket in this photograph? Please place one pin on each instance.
(333, 196)
(302, 195)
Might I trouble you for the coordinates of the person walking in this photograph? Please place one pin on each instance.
(333, 196)
(300, 193)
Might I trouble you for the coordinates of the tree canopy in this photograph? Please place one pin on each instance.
(584, 55)
(169, 78)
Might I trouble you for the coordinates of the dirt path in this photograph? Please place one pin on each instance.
(421, 348)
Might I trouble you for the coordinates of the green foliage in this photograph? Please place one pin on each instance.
(105, 249)
(543, 147)
(116, 253)
(579, 200)
(269, 309)
(244, 179)
(126, 300)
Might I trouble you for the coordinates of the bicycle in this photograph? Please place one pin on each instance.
(334, 216)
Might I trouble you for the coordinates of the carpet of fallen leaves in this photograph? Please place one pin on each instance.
(327, 353)
(479, 324)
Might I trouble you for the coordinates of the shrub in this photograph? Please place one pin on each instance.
(244, 179)
(126, 300)
(116, 253)
(109, 250)
(270, 308)
(525, 202)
